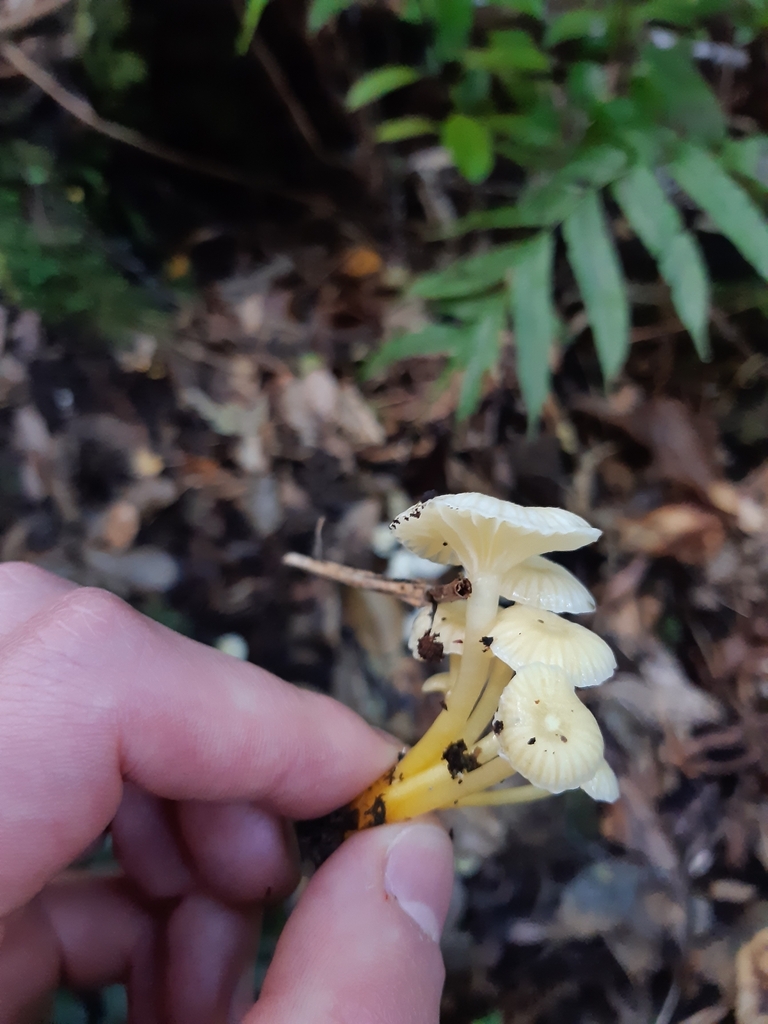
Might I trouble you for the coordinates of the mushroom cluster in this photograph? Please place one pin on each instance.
(510, 701)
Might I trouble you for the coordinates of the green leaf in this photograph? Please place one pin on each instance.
(679, 12)
(509, 52)
(323, 11)
(492, 1018)
(486, 220)
(550, 198)
(379, 83)
(472, 92)
(749, 158)
(251, 18)
(484, 352)
(684, 99)
(577, 24)
(400, 128)
(659, 227)
(700, 175)
(467, 276)
(453, 24)
(598, 274)
(470, 145)
(534, 320)
(540, 128)
(588, 84)
(534, 8)
(435, 339)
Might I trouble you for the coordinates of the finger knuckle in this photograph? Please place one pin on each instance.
(22, 576)
(94, 606)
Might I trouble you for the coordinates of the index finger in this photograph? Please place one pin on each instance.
(92, 692)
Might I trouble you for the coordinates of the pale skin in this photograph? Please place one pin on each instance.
(195, 761)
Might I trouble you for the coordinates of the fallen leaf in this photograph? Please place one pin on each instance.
(361, 261)
(146, 463)
(686, 532)
(119, 525)
(662, 695)
(677, 441)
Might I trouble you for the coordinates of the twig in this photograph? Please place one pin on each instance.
(413, 592)
(295, 109)
(668, 1007)
(29, 14)
(84, 112)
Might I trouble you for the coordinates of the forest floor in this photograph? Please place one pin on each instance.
(178, 476)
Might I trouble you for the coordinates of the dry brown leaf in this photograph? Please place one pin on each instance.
(119, 525)
(675, 438)
(662, 696)
(686, 532)
(360, 261)
(356, 418)
(731, 890)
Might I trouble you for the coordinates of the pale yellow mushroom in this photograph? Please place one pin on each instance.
(545, 732)
(603, 786)
(488, 537)
(486, 534)
(444, 626)
(540, 583)
(522, 636)
(440, 682)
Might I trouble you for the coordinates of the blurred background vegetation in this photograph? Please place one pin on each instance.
(574, 129)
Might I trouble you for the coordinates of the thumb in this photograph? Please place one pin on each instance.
(363, 942)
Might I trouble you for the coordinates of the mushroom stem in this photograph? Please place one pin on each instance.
(507, 795)
(482, 607)
(485, 708)
(436, 788)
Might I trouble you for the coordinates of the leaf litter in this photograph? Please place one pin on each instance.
(180, 475)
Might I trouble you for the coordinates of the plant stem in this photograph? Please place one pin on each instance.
(482, 607)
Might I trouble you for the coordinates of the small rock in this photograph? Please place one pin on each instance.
(146, 569)
(30, 432)
(146, 463)
(263, 505)
(233, 644)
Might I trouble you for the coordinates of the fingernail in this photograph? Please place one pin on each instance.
(419, 875)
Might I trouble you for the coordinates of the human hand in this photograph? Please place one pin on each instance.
(194, 760)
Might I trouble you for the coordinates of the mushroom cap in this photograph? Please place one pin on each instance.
(546, 733)
(523, 636)
(446, 627)
(603, 785)
(539, 583)
(440, 682)
(487, 534)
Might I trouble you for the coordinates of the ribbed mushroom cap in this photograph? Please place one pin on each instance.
(485, 534)
(603, 785)
(545, 732)
(523, 636)
(446, 627)
(539, 583)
